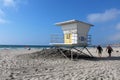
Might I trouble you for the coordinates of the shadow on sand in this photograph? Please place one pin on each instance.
(53, 53)
(85, 57)
(109, 58)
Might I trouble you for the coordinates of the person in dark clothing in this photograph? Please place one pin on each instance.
(99, 49)
(109, 50)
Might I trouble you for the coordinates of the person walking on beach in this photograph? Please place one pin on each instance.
(109, 50)
(99, 49)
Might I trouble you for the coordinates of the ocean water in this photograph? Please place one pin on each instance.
(24, 46)
(34, 46)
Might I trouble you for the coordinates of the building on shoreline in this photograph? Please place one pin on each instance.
(74, 32)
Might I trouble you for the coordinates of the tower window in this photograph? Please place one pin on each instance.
(82, 38)
(67, 36)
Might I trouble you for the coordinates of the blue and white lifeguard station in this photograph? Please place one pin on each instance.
(74, 33)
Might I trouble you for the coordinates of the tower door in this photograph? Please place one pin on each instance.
(68, 38)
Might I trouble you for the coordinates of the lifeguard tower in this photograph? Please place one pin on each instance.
(74, 33)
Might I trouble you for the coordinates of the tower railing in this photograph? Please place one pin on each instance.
(89, 39)
(59, 39)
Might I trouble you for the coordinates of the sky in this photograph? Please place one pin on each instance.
(32, 22)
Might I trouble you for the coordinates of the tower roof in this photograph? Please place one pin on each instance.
(70, 22)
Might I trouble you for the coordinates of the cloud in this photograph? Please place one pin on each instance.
(9, 3)
(115, 37)
(103, 17)
(13, 3)
(2, 14)
(118, 26)
(3, 21)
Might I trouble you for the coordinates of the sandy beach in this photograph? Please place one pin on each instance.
(23, 64)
